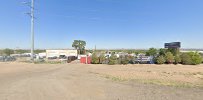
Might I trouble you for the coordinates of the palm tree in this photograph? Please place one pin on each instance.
(79, 45)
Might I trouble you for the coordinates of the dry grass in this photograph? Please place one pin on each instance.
(169, 75)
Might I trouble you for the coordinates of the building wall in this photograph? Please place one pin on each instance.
(57, 53)
(191, 51)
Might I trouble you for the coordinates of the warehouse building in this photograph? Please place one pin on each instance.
(60, 53)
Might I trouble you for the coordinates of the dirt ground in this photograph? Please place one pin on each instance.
(172, 75)
(23, 81)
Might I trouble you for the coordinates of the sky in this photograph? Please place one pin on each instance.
(108, 24)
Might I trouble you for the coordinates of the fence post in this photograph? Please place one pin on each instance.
(86, 59)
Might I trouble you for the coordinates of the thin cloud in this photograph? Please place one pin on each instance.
(95, 18)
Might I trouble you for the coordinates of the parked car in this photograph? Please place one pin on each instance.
(1, 58)
(52, 57)
(71, 58)
(7, 58)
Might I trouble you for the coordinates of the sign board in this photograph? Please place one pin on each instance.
(173, 45)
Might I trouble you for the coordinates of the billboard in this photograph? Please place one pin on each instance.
(173, 45)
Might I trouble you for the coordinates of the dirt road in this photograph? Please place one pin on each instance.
(76, 82)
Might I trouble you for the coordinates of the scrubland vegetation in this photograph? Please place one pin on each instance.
(161, 56)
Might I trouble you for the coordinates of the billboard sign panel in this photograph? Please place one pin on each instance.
(173, 45)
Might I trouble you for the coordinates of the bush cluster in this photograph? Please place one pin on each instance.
(163, 56)
(112, 59)
(191, 58)
(98, 59)
(177, 59)
(124, 59)
(169, 58)
(95, 59)
(161, 59)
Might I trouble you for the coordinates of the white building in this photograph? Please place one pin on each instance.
(42, 55)
(58, 53)
(200, 51)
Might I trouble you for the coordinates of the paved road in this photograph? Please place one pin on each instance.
(75, 82)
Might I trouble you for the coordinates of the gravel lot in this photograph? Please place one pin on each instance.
(21, 81)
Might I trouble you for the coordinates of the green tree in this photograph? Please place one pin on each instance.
(1, 52)
(191, 58)
(131, 59)
(160, 60)
(162, 52)
(151, 52)
(8, 52)
(174, 51)
(39, 51)
(79, 45)
(102, 58)
(201, 56)
(186, 59)
(21, 51)
(196, 58)
(169, 57)
(113, 59)
(124, 59)
(95, 59)
(177, 59)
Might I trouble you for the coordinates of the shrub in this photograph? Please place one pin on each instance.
(169, 57)
(95, 59)
(174, 51)
(8, 52)
(151, 52)
(160, 60)
(177, 59)
(162, 51)
(124, 60)
(131, 59)
(186, 59)
(112, 59)
(196, 58)
(201, 56)
(102, 58)
(191, 58)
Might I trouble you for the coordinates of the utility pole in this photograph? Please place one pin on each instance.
(31, 14)
(32, 30)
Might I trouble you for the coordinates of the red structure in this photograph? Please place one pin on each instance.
(85, 60)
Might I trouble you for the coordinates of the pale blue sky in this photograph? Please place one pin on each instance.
(105, 23)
